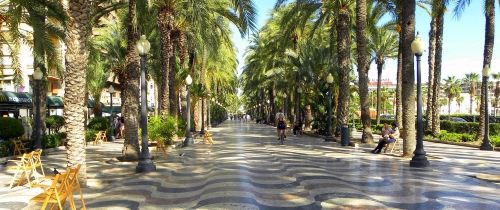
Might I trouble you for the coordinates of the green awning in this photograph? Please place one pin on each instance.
(116, 109)
(55, 102)
(15, 99)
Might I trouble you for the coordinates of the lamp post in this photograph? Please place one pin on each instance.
(189, 137)
(145, 164)
(37, 76)
(486, 145)
(111, 90)
(329, 137)
(268, 111)
(419, 159)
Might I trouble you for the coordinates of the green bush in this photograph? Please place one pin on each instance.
(99, 123)
(163, 128)
(469, 127)
(90, 135)
(495, 141)
(6, 148)
(10, 128)
(54, 122)
(53, 140)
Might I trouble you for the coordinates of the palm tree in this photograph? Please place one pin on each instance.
(438, 10)
(46, 36)
(384, 45)
(452, 89)
(460, 100)
(363, 68)
(497, 92)
(77, 53)
(408, 90)
(489, 33)
(472, 79)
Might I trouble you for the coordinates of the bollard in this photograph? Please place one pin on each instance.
(344, 135)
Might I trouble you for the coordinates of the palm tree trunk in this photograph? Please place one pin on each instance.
(430, 84)
(408, 91)
(379, 78)
(165, 25)
(343, 24)
(77, 54)
(399, 85)
(471, 103)
(449, 108)
(437, 71)
(130, 91)
(489, 41)
(196, 113)
(363, 68)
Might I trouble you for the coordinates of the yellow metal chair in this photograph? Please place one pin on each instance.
(207, 137)
(19, 148)
(24, 170)
(57, 193)
(160, 148)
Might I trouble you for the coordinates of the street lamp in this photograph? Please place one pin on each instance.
(111, 91)
(189, 137)
(37, 76)
(284, 105)
(486, 145)
(419, 159)
(145, 164)
(329, 80)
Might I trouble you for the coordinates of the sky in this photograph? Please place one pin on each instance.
(462, 43)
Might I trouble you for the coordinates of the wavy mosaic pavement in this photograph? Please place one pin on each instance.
(247, 169)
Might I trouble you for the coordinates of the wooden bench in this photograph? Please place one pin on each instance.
(207, 137)
(100, 137)
(19, 147)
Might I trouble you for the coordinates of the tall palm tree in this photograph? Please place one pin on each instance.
(497, 92)
(384, 44)
(408, 90)
(472, 80)
(77, 53)
(46, 36)
(363, 64)
(438, 10)
(460, 100)
(489, 40)
(452, 89)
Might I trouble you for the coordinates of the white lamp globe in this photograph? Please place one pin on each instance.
(416, 46)
(143, 46)
(329, 78)
(486, 71)
(189, 80)
(37, 74)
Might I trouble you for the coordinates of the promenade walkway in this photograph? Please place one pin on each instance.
(246, 168)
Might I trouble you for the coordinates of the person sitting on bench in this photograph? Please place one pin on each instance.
(393, 135)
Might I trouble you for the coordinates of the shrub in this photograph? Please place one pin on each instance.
(5, 148)
(495, 141)
(163, 128)
(90, 135)
(10, 128)
(54, 122)
(469, 127)
(99, 123)
(53, 140)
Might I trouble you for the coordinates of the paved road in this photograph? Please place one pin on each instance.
(247, 169)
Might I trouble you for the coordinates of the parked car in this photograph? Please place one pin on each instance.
(387, 116)
(457, 119)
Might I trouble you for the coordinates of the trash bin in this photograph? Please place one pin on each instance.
(344, 135)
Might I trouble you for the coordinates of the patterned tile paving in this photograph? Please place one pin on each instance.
(247, 169)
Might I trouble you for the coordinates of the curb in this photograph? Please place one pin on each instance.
(458, 144)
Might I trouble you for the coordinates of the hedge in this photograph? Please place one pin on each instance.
(10, 128)
(53, 140)
(54, 122)
(99, 123)
(470, 127)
